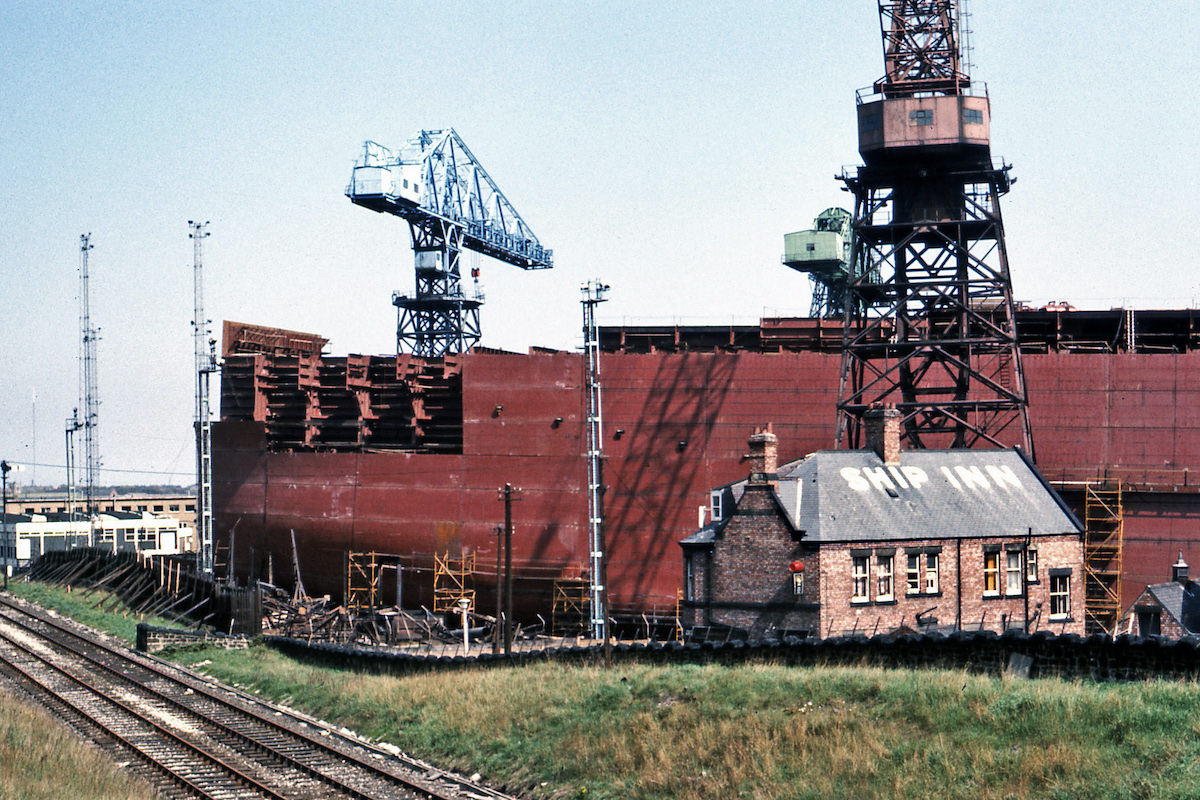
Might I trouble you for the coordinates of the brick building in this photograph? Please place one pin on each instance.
(875, 540)
(1165, 609)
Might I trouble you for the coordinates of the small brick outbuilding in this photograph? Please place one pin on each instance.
(879, 540)
(1169, 609)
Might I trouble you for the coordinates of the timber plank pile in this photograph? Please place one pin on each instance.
(149, 586)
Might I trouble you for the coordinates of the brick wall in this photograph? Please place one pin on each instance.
(752, 584)
(151, 639)
(752, 587)
(978, 609)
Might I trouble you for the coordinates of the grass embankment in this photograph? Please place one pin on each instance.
(759, 731)
(86, 608)
(41, 760)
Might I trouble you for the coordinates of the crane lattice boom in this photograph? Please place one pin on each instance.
(451, 204)
(435, 175)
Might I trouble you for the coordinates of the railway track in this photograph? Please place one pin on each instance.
(193, 738)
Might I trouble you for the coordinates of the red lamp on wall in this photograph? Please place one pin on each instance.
(796, 568)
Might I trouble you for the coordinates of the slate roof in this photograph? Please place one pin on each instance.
(1180, 601)
(850, 495)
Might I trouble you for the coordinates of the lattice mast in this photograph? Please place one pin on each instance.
(89, 385)
(451, 204)
(206, 365)
(593, 295)
(929, 316)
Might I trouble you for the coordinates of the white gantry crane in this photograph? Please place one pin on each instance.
(451, 204)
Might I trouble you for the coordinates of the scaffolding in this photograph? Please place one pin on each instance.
(1103, 513)
(364, 580)
(571, 613)
(453, 580)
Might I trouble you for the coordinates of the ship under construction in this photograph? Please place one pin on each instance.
(319, 457)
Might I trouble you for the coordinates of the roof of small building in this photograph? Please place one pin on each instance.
(1180, 600)
(852, 495)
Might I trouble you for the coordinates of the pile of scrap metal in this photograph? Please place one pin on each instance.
(316, 619)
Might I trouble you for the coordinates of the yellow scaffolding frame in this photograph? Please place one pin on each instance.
(571, 612)
(1104, 523)
(364, 579)
(453, 580)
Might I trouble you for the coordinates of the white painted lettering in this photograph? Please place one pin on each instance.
(916, 476)
(854, 479)
(899, 478)
(950, 477)
(878, 478)
(972, 477)
(1003, 475)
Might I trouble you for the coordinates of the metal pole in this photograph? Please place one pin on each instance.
(4, 468)
(508, 599)
(593, 294)
(499, 594)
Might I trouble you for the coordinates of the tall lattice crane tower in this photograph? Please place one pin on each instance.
(451, 204)
(929, 319)
(593, 294)
(206, 365)
(89, 385)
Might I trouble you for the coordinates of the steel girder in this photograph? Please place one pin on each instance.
(929, 310)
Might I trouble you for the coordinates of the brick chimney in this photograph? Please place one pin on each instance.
(883, 433)
(1179, 570)
(763, 456)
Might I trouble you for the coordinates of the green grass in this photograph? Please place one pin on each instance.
(758, 731)
(40, 760)
(86, 608)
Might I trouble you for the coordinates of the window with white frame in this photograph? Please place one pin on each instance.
(991, 573)
(883, 577)
(932, 584)
(1060, 596)
(913, 573)
(797, 583)
(1031, 572)
(1012, 572)
(861, 580)
(718, 511)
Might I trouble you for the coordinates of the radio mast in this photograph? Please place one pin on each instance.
(88, 382)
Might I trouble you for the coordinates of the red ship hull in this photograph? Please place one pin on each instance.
(675, 425)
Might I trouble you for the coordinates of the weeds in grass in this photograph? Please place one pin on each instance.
(40, 760)
(758, 730)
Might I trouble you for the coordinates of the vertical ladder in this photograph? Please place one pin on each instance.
(1104, 517)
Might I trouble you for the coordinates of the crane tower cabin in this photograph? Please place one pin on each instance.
(450, 203)
(929, 312)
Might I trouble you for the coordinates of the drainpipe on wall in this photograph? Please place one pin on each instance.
(958, 581)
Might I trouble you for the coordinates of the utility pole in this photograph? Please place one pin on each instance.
(499, 593)
(88, 384)
(508, 494)
(5, 467)
(206, 365)
(593, 294)
(73, 424)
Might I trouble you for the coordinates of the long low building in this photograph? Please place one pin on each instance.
(24, 537)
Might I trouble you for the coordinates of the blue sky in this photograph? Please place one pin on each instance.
(662, 147)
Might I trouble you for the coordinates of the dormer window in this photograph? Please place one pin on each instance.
(718, 510)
